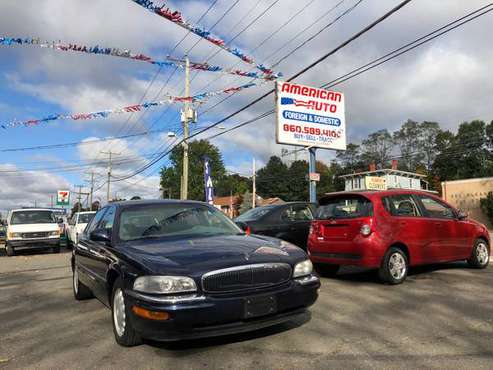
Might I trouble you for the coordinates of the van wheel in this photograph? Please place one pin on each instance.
(81, 292)
(125, 334)
(480, 256)
(9, 250)
(326, 270)
(394, 267)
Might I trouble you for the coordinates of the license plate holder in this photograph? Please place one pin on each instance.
(260, 306)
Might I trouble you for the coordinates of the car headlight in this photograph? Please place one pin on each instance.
(54, 233)
(302, 269)
(164, 284)
(15, 235)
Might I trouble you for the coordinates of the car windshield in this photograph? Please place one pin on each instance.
(32, 217)
(254, 214)
(346, 206)
(84, 218)
(172, 220)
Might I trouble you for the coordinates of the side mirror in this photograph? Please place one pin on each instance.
(60, 220)
(461, 215)
(241, 225)
(100, 235)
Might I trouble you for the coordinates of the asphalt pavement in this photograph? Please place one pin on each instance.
(441, 317)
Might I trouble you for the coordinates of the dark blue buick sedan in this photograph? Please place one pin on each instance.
(173, 270)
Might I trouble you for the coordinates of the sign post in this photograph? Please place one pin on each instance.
(310, 117)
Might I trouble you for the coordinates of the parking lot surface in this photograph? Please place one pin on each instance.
(441, 317)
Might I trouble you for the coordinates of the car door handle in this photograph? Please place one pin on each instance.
(438, 224)
(403, 223)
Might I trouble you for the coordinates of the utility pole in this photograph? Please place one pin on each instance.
(254, 185)
(79, 197)
(92, 189)
(51, 201)
(108, 190)
(186, 132)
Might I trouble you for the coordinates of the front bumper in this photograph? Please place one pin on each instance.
(215, 315)
(34, 243)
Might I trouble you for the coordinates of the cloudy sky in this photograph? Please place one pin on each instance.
(448, 80)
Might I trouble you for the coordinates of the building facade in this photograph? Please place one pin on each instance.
(384, 179)
(466, 195)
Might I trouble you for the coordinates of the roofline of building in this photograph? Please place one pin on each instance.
(477, 179)
(385, 171)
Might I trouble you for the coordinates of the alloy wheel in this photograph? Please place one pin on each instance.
(397, 266)
(482, 254)
(119, 312)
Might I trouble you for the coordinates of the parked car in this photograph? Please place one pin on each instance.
(392, 230)
(288, 221)
(3, 232)
(172, 270)
(77, 224)
(32, 229)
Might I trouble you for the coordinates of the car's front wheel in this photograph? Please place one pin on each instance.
(394, 266)
(480, 256)
(81, 291)
(9, 250)
(125, 334)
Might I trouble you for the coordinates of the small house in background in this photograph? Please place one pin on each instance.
(229, 205)
(388, 178)
(269, 201)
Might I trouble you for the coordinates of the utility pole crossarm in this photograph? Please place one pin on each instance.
(108, 190)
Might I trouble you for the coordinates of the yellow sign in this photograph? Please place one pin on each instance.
(375, 183)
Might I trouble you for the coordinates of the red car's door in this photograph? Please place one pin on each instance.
(445, 228)
(408, 225)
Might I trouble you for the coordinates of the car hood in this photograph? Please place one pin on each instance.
(195, 256)
(26, 228)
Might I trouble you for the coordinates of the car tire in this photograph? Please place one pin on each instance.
(480, 256)
(394, 267)
(125, 334)
(9, 250)
(81, 292)
(326, 270)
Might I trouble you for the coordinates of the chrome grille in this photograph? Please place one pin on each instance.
(35, 235)
(246, 277)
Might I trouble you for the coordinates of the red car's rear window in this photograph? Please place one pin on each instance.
(344, 206)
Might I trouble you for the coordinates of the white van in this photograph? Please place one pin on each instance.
(32, 228)
(77, 224)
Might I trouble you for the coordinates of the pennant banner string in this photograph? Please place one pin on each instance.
(176, 17)
(196, 99)
(169, 62)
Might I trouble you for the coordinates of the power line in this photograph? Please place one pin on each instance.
(304, 70)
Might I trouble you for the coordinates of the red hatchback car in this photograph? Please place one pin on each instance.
(392, 230)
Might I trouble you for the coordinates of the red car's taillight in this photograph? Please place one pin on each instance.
(314, 228)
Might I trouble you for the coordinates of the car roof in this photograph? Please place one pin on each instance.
(379, 193)
(31, 209)
(149, 202)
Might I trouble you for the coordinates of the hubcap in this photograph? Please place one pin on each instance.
(119, 312)
(482, 254)
(397, 266)
(76, 280)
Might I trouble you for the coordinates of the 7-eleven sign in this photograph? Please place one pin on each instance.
(63, 198)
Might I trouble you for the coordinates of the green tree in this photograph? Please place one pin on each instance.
(233, 183)
(427, 134)
(297, 185)
(407, 140)
(350, 158)
(246, 203)
(272, 180)
(171, 175)
(377, 148)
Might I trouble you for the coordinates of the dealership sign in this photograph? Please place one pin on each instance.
(62, 198)
(309, 116)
